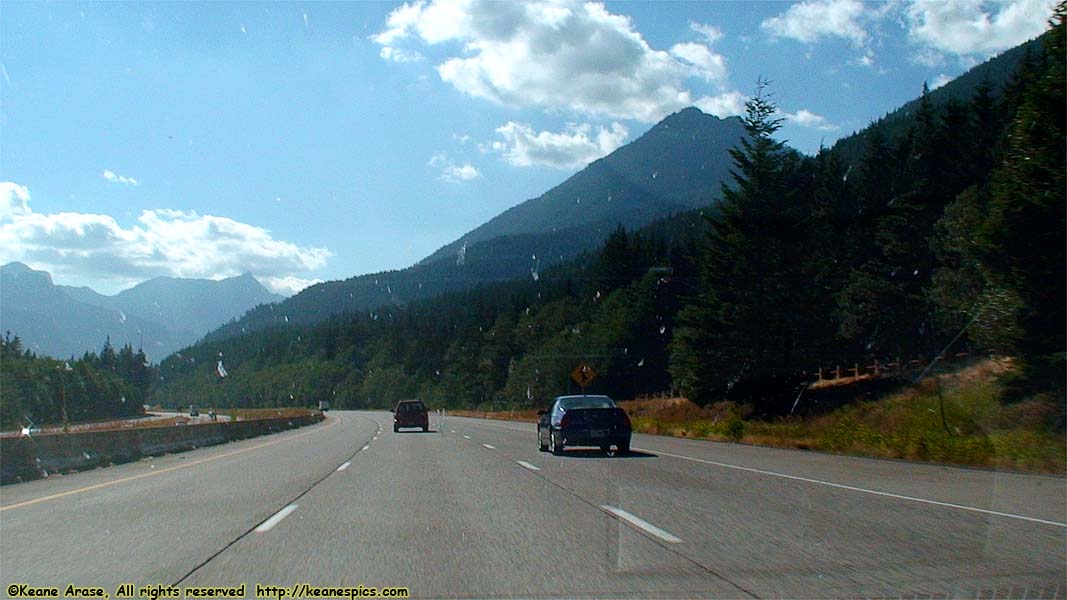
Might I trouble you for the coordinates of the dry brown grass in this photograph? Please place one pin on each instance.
(978, 429)
(250, 414)
(527, 416)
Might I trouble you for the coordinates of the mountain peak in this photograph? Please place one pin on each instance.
(17, 269)
(689, 117)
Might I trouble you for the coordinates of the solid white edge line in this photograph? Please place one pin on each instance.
(490, 447)
(859, 489)
(277, 518)
(528, 465)
(344, 465)
(642, 524)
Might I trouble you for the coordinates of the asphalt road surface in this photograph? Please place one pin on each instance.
(474, 510)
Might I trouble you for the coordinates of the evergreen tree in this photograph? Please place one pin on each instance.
(749, 316)
(1026, 227)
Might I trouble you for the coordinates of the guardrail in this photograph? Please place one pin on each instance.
(35, 456)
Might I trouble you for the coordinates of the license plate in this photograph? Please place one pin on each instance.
(598, 433)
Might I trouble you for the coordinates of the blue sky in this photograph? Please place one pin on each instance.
(317, 141)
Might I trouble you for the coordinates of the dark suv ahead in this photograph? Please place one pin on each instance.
(410, 413)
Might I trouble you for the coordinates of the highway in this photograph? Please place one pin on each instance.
(473, 510)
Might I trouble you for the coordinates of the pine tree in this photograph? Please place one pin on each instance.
(1026, 226)
(748, 319)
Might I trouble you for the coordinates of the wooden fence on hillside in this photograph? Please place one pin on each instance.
(828, 376)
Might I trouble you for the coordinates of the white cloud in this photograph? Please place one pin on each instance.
(939, 81)
(111, 176)
(806, 118)
(575, 146)
(704, 63)
(727, 104)
(399, 55)
(14, 200)
(964, 27)
(710, 33)
(565, 55)
(867, 60)
(928, 57)
(816, 19)
(451, 172)
(287, 286)
(95, 247)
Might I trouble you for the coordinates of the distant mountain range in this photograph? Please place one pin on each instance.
(165, 313)
(676, 166)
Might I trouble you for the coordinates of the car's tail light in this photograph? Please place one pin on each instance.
(626, 419)
(565, 420)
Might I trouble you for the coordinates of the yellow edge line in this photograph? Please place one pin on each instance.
(332, 421)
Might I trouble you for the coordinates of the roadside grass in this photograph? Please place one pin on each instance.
(527, 416)
(249, 414)
(955, 418)
(976, 428)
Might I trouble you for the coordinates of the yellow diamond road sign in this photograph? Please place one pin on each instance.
(583, 375)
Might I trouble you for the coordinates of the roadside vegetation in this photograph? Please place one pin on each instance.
(958, 418)
(37, 391)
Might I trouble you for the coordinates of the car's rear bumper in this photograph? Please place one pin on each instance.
(584, 437)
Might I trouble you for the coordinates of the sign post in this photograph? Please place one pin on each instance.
(583, 375)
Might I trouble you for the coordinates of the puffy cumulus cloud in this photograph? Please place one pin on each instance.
(710, 33)
(452, 172)
(966, 27)
(287, 286)
(14, 200)
(400, 55)
(816, 19)
(163, 242)
(576, 146)
(552, 55)
(806, 118)
(727, 104)
(458, 173)
(704, 63)
(112, 176)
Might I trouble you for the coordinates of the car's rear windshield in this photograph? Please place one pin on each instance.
(411, 407)
(587, 402)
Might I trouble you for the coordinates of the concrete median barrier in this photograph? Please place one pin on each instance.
(35, 456)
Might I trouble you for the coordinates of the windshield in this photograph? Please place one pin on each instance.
(587, 402)
(533, 299)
